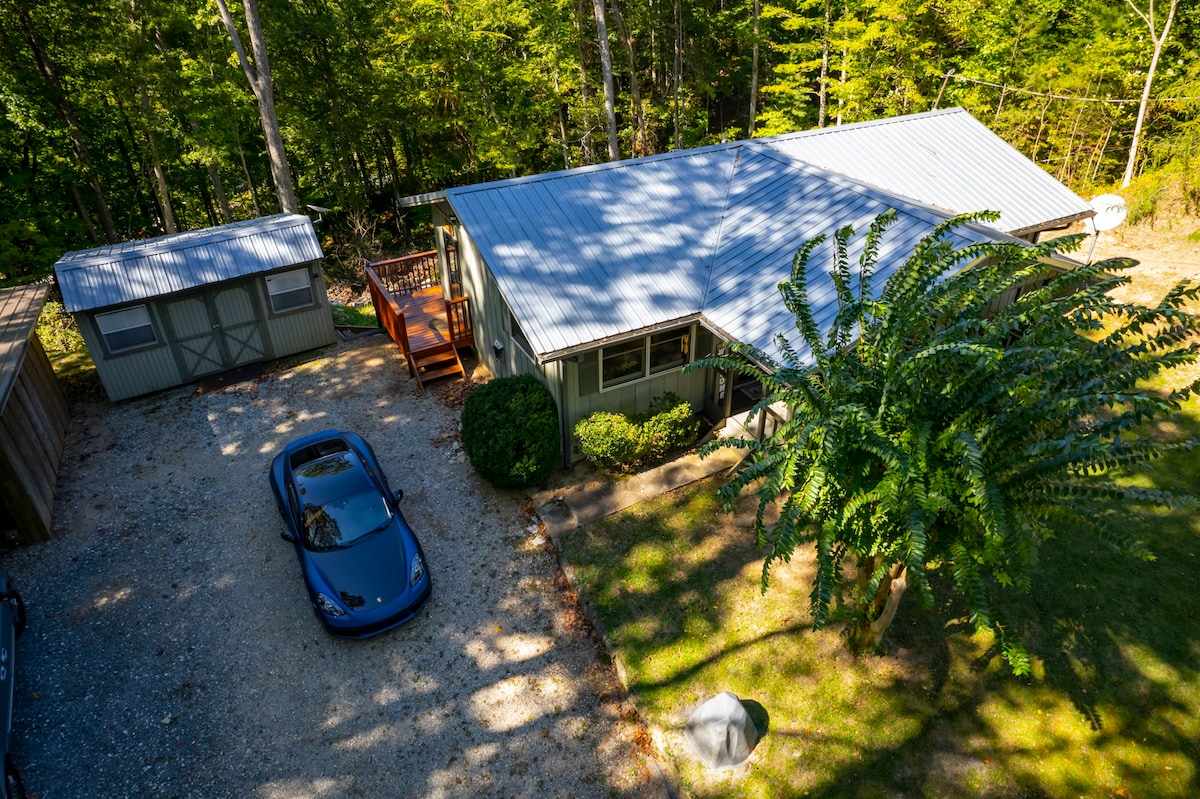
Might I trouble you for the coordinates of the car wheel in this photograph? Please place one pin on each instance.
(13, 783)
(18, 611)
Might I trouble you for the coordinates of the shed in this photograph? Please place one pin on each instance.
(163, 312)
(34, 419)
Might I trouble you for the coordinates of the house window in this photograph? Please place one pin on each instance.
(654, 354)
(126, 329)
(668, 350)
(290, 290)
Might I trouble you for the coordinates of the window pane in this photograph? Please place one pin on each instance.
(126, 329)
(286, 301)
(111, 322)
(126, 339)
(668, 350)
(290, 290)
(623, 362)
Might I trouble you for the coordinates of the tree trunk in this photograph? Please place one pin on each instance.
(823, 82)
(677, 72)
(1159, 41)
(246, 171)
(160, 175)
(635, 90)
(81, 209)
(754, 69)
(606, 72)
(259, 76)
(869, 631)
(58, 97)
(585, 141)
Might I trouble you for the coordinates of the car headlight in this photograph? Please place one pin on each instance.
(417, 571)
(329, 607)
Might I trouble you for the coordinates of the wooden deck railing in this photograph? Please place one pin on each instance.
(409, 274)
(428, 328)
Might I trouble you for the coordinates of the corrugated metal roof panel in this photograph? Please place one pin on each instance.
(945, 158)
(587, 255)
(138, 270)
(776, 205)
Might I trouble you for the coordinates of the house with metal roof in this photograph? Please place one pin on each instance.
(34, 419)
(947, 159)
(162, 312)
(606, 281)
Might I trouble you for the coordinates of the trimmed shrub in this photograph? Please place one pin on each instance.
(623, 444)
(510, 431)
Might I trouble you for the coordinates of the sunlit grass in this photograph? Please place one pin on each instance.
(1113, 707)
(351, 316)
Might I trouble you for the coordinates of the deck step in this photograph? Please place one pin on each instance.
(437, 363)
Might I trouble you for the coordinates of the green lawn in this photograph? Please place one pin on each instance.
(1112, 710)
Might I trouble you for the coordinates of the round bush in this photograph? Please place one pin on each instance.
(510, 431)
(623, 443)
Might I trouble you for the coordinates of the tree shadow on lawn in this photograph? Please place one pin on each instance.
(1112, 707)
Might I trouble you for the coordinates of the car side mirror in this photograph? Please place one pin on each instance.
(399, 495)
(286, 535)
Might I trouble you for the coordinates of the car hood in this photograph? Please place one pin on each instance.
(375, 568)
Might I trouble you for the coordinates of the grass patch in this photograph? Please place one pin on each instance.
(350, 316)
(1113, 708)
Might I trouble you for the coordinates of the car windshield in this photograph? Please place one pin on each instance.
(343, 521)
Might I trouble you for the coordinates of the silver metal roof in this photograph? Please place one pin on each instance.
(596, 253)
(137, 270)
(945, 158)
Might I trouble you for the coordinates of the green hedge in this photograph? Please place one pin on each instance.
(510, 431)
(626, 443)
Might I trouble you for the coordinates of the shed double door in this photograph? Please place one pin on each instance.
(217, 331)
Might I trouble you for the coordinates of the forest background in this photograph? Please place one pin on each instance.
(132, 118)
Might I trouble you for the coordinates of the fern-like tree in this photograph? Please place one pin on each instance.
(935, 428)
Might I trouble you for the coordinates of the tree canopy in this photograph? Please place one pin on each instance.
(954, 423)
(127, 119)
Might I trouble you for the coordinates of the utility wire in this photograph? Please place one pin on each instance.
(1053, 96)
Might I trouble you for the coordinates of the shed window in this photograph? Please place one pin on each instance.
(290, 290)
(651, 355)
(126, 329)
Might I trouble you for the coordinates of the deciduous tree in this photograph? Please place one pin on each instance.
(934, 432)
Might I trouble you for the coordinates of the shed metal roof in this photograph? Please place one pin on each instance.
(138, 270)
(591, 254)
(20, 307)
(945, 158)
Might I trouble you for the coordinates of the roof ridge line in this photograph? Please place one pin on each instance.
(716, 246)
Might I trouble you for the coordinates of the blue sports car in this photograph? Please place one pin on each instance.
(363, 567)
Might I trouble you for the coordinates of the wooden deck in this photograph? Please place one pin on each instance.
(429, 329)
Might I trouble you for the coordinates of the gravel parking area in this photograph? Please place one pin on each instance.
(171, 650)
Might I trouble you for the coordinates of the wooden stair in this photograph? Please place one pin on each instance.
(434, 363)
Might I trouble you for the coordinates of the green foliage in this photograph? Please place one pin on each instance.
(58, 332)
(351, 316)
(510, 431)
(929, 435)
(624, 444)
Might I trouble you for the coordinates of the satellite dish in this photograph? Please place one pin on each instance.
(1110, 212)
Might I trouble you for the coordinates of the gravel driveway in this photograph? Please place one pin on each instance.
(171, 650)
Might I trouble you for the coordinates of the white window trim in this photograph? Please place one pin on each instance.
(689, 331)
(104, 334)
(307, 282)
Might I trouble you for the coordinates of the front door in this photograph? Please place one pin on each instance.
(214, 332)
